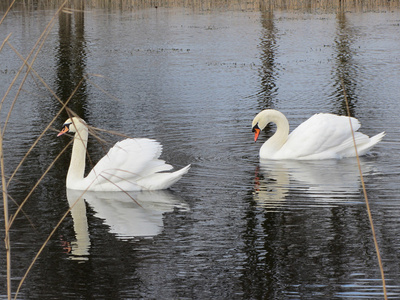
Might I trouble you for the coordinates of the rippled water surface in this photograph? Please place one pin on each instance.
(232, 228)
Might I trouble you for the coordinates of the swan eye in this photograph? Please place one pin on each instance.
(64, 130)
(66, 127)
(256, 131)
(255, 128)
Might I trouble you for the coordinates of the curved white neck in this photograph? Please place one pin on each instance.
(275, 142)
(76, 169)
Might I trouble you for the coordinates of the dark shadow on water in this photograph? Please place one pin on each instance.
(268, 70)
(346, 72)
(71, 60)
(302, 221)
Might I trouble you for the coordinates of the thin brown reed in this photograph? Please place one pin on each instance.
(137, 4)
(208, 5)
(38, 46)
(6, 219)
(371, 222)
(7, 11)
(45, 243)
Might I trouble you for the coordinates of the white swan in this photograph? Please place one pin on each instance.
(323, 136)
(131, 165)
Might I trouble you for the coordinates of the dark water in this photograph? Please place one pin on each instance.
(232, 228)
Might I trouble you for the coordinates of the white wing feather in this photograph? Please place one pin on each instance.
(133, 164)
(323, 136)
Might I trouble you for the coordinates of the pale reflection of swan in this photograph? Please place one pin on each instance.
(79, 247)
(128, 215)
(324, 182)
(323, 136)
(131, 165)
(271, 185)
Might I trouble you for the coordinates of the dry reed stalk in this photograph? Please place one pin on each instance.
(208, 5)
(70, 113)
(36, 185)
(92, 131)
(371, 222)
(5, 201)
(54, 229)
(66, 213)
(48, 238)
(39, 46)
(252, 5)
(64, 106)
(45, 130)
(5, 41)
(7, 220)
(63, 217)
(7, 11)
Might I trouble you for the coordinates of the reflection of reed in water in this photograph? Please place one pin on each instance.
(207, 5)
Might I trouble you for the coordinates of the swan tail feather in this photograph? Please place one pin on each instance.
(363, 142)
(364, 148)
(346, 149)
(160, 181)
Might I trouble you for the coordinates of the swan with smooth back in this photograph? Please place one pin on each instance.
(323, 136)
(131, 165)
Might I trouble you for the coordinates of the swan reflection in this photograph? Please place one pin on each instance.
(332, 181)
(129, 215)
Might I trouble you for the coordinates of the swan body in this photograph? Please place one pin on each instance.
(131, 165)
(323, 136)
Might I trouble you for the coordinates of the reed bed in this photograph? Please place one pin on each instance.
(204, 5)
(64, 6)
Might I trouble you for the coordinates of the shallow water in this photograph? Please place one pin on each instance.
(232, 228)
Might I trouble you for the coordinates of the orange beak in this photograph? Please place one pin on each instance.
(256, 133)
(64, 130)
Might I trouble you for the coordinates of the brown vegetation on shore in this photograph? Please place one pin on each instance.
(207, 5)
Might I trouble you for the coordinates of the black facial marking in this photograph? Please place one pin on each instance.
(255, 127)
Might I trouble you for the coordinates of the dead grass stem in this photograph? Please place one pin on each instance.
(28, 62)
(371, 222)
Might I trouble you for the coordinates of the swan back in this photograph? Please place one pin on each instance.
(133, 165)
